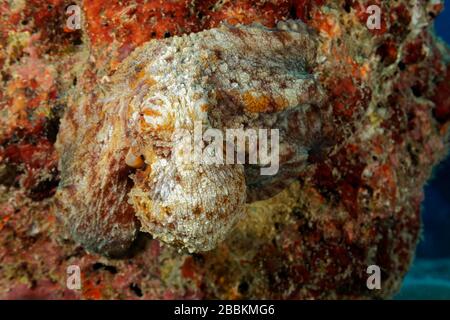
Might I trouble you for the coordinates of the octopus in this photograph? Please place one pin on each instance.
(122, 168)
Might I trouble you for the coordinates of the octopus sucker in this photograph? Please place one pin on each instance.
(119, 156)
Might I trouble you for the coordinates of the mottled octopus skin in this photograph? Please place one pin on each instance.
(228, 77)
(92, 196)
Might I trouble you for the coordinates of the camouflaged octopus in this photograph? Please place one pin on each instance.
(119, 171)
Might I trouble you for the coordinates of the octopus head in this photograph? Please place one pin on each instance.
(232, 77)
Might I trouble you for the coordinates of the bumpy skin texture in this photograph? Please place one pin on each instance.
(98, 214)
(356, 203)
(248, 77)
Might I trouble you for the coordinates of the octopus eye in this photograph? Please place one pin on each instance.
(133, 160)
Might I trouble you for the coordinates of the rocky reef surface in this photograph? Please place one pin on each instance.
(356, 203)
